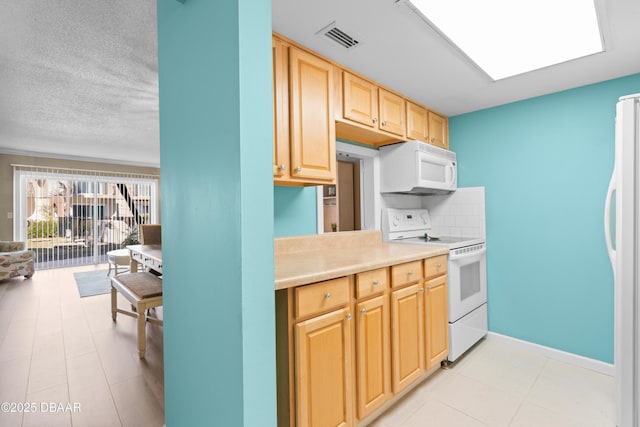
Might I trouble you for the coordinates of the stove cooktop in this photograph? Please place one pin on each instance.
(452, 242)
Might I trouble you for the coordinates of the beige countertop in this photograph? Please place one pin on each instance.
(309, 259)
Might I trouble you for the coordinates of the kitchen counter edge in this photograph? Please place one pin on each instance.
(311, 266)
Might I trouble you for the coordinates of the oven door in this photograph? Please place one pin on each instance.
(467, 281)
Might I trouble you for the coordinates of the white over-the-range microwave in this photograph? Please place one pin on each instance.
(417, 168)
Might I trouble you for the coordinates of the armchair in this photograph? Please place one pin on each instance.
(15, 260)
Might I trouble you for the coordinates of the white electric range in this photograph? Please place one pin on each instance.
(467, 273)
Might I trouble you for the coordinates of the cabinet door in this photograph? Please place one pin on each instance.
(416, 122)
(280, 110)
(373, 368)
(359, 100)
(313, 152)
(392, 112)
(437, 326)
(323, 373)
(438, 130)
(407, 336)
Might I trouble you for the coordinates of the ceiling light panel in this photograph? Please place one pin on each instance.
(506, 37)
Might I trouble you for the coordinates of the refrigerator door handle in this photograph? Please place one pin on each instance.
(607, 220)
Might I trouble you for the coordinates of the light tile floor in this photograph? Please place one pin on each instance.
(58, 348)
(496, 384)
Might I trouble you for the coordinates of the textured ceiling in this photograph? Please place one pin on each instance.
(79, 78)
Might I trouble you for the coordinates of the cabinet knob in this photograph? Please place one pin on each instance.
(375, 120)
(281, 167)
(410, 273)
(429, 287)
(384, 123)
(421, 289)
(298, 169)
(327, 295)
(439, 265)
(375, 282)
(363, 311)
(433, 140)
(349, 316)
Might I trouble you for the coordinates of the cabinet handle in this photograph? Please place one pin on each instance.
(375, 120)
(349, 316)
(298, 169)
(327, 295)
(363, 311)
(281, 167)
(375, 282)
(410, 273)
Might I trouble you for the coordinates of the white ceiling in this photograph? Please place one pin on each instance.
(79, 79)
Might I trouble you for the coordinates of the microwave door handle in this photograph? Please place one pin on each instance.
(451, 170)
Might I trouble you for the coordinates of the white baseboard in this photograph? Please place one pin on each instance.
(552, 353)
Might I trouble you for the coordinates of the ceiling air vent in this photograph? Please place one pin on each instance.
(339, 36)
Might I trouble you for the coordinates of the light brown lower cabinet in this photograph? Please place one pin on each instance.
(437, 325)
(373, 369)
(323, 374)
(346, 346)
(407, 335)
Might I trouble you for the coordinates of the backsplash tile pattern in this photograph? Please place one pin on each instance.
(461, 213)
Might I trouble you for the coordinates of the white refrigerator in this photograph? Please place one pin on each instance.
(623, 245)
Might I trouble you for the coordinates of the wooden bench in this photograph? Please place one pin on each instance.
(144, 291)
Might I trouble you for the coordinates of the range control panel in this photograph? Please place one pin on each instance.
(404, 221)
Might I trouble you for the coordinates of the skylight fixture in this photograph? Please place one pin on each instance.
(507, 37)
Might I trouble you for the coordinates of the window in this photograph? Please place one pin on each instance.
(72, 217)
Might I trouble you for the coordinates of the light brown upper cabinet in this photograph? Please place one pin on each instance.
(417, 122)
(304, 135)
(368, 113)
(438, 130)
(360, 100)
(392, 112)
(280, 110)
(316, 100)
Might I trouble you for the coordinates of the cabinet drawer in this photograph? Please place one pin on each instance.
(435, 266)
(406, 273)
(371, 282)
(311, 299)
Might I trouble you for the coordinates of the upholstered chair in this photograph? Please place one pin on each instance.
(15, 260)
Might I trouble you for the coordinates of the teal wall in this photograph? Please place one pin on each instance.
(545, 164)
(215, 132)
(294, 211)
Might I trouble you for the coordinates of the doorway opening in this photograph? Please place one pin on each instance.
(350, 203)
(341, 201)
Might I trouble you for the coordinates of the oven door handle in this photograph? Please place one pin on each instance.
(466, 255)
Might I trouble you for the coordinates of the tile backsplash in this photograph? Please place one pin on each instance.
(460, 213)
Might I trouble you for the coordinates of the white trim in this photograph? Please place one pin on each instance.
(552, 353)
(370, 199)
(319, 210)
